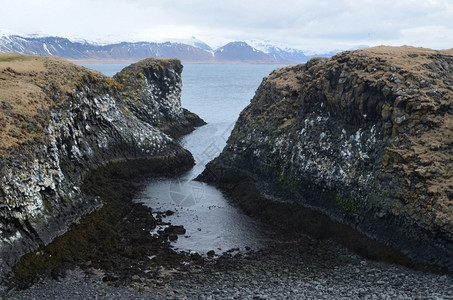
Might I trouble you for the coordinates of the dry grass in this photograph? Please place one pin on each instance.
(25, 82)
(31, 85)
(431, 147)
(286, 79)
(403, 54)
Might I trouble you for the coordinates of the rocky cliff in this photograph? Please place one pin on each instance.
(59, 120)
(365, 137)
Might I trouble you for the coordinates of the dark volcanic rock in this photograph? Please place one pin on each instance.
(70, 120)
(365, 137)
(147, 83)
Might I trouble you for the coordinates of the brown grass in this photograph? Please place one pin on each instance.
(25, 82)
(286, 78)
(429, 149)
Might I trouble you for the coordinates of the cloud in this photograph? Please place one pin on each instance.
(302, 23)
(433, 35)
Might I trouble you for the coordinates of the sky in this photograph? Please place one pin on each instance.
(310, 25)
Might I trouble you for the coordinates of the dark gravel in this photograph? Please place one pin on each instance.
(297, 269)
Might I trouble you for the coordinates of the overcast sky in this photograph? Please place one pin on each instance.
(313, 25)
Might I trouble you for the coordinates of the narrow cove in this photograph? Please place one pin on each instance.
(187, 219)
(206, 245)
(217, 93)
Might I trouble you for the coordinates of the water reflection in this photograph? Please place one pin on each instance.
(217, 93)
(210, 219)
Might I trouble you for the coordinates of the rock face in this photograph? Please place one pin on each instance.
(147, 86)
(365, 137)
(59, 121)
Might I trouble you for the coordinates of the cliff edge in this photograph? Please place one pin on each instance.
(365, 137)
(59, 121)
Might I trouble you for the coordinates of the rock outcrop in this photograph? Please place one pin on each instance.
(59, 121)
(365, 137)
(149, 85)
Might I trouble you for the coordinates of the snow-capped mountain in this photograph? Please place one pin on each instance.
(287, 54)
(243, 52)
(192, 50)
(62, 47)
(193, 41)
(46, 46)
(283, 52)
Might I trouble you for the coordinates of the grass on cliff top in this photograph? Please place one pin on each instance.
(9, 57)
(31, 85)
(26, 86)
(406, 58)
(161, 62)
(410, 59)
(137, 68)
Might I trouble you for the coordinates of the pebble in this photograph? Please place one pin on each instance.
(271, 274)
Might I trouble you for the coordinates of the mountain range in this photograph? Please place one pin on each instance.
(191, 51)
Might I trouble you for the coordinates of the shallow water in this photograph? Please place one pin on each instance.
(210, 219)
(217, 93)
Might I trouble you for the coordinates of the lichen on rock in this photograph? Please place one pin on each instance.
(60, 121)
(365, 137)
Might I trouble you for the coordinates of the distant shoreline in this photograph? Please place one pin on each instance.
(121, 61)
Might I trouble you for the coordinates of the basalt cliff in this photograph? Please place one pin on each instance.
(59, 121)
(365, 137)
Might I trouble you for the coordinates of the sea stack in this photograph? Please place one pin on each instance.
(365, 137)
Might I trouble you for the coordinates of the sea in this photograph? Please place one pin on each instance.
(217, 93)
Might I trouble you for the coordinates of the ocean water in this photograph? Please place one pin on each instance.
(217, 93)
(106, 69)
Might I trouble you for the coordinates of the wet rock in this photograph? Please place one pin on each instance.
(175, 229)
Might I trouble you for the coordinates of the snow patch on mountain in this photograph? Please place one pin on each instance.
(188, 50)
(193, 41)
